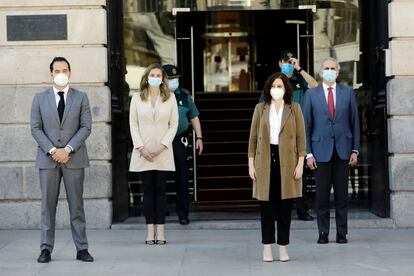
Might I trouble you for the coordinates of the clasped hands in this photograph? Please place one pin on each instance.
(151, 154)
(60, 156)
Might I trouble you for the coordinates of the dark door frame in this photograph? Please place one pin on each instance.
(119, 124)
(374, 40)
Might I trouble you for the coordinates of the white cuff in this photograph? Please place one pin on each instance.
(69, 146)
(309, 155)
(52, 150)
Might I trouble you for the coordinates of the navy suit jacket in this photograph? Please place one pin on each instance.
(322, 133)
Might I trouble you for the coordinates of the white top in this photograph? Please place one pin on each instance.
(325, 89)
(275, 121)
(65, 95)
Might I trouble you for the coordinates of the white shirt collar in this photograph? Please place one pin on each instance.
(325, 86)
(65, 90)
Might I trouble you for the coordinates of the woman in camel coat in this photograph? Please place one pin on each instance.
(277, 147)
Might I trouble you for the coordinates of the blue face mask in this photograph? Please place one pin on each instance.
(287, 68)
(329, 75)
(173, 84)
(154, 82)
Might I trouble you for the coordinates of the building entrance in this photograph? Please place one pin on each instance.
(225, 54)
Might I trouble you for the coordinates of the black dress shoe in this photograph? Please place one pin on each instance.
(305, 216)
(44, 256)
(84, 256)
(184, 220)
(341, 238)
(323, 238)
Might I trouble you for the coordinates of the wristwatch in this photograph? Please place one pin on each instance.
(68, 150)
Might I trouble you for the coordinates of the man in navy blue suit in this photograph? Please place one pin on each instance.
(332, 136)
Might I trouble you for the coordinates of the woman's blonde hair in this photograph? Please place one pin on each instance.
(144, 86)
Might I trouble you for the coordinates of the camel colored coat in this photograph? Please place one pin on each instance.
(292, 144)
(150, 129)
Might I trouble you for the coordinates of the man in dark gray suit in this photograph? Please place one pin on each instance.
(332, 136)
(60, 122)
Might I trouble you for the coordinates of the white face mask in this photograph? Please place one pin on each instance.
(276, 93)
(61, 79)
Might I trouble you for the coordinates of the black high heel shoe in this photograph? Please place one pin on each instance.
(150, 242)
(160, 242)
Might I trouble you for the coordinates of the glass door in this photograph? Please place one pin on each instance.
(226, 62)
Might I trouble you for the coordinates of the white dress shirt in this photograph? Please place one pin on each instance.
(275, 122)
(65, 95)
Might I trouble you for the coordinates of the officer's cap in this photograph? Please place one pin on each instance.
(171, 70)
(286, 55)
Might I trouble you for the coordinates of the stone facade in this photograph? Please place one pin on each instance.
(24, 71)
(400, 98)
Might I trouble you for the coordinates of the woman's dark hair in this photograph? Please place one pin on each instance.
(57, 59)
(287, 97)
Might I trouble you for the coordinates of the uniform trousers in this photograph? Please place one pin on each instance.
(276, 208)
(181, 177)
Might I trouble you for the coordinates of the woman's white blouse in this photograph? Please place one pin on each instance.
(275, 121)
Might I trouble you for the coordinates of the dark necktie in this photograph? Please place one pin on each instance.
(331, 106)
(61, 105)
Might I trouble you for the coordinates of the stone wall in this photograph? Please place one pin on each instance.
(400, 98)
(24, 71)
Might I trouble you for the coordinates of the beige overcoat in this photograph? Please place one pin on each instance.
(292, 144)
(151, 127)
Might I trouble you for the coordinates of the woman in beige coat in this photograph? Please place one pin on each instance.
(153, 121)
(277, 149)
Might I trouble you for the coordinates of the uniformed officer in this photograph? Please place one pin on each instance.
(187, 111)
(300, 81)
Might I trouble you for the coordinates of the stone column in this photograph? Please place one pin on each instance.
(24, 71)
(400, 98)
